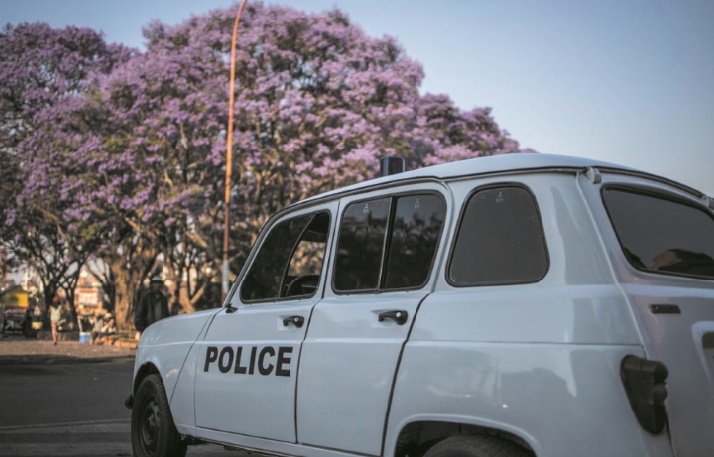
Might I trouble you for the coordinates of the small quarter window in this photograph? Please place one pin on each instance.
(500, 240)
(662, 235)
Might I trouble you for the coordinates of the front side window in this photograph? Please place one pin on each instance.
(500, 240)
(660, 234)
(388, 243)
(290, 260)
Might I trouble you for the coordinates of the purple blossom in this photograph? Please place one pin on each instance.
(129, 147)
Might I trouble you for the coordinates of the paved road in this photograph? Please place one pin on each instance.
(70, 409)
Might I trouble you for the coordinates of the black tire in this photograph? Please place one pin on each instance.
(153, 433)
(476, 446)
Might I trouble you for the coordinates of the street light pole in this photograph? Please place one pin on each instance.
(229, 151)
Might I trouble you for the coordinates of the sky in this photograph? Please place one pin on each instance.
(624, 81)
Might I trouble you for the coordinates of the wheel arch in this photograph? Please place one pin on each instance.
(147, 369)
(417, 436)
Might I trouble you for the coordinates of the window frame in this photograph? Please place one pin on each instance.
(663, 195)
(459, 224)
(393, 197)
(325, 258)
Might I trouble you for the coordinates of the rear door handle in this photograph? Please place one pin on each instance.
(297, 321)
(399, 316)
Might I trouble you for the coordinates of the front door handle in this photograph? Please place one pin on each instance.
(297, 321)
(399, 316)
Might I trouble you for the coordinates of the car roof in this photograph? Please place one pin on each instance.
(520, 161)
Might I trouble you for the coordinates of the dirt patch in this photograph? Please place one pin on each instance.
(21, 350)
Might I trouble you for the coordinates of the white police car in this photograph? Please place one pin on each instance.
(518, 305)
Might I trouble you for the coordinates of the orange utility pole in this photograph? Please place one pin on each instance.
(229, 151)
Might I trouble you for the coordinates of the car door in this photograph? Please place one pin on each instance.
(247, 370)
(387, 245)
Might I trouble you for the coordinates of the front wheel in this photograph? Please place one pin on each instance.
(476, 446)
(153, 433)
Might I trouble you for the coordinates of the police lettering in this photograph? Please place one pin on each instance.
(265, 361)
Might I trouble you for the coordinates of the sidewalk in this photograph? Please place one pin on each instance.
(16, 350)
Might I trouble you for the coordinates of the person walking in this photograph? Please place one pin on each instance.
(152, 307)
(55, 316)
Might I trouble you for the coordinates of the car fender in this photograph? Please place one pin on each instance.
(166, 345)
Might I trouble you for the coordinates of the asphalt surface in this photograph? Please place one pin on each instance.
(67, 400)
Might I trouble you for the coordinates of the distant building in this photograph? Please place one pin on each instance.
(14, 297)
(88, 296)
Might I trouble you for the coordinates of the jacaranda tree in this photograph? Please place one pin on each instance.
(41, 68)
(317, 103)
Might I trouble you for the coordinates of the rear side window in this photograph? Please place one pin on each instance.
(388, 243)
(500, 240)
(662, 235)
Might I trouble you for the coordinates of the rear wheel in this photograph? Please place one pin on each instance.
(476, 446)
(153, 433)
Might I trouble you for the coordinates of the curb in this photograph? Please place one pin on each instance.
(47, 359)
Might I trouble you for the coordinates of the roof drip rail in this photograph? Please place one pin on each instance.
(593, 175)
(708, 202)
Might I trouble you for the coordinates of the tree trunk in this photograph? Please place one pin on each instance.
(127, 285)
(175, 275)
(184, 298)
(69, 286)
(130, 263)
(126, 288)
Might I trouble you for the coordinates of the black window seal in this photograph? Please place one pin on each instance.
(387, 242)
(293, 297)
(663, 195)
(385, 254)
(462, 214)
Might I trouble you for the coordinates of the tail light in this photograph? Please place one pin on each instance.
(646, 389)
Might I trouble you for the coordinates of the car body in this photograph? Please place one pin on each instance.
(553, 305)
